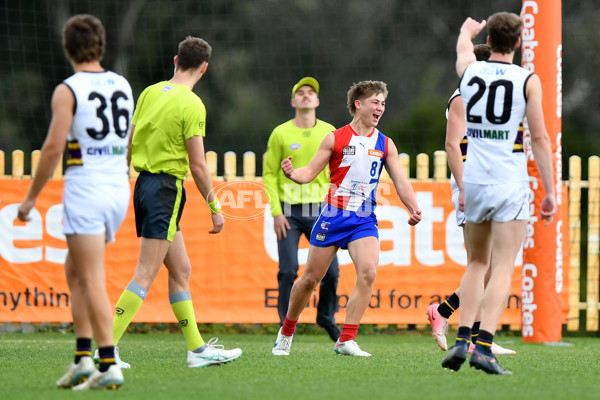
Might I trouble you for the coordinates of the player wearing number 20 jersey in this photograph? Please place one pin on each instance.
(98, 138)
(494, 99)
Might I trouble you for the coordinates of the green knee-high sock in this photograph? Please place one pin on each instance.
(181, 303)
(128, 305)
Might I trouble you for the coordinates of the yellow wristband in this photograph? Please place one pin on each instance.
(215, 206)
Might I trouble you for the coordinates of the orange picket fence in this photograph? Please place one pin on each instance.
(234, 273)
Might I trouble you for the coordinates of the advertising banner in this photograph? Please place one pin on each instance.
(234, 273)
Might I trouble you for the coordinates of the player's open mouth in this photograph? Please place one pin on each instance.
(377, 116)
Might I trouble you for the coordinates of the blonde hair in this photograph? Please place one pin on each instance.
(363, 90)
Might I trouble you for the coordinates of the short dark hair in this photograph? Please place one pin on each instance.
(192, 52)
(363, 90)
(482, 52)
(504, 30)
(84, 38)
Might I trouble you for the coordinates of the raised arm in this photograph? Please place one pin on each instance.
(464, 45)
(540, 145)
(315, 166)
(403, 187)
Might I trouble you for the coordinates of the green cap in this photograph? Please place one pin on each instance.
(306, 81)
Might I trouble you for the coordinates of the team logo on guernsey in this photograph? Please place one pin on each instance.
(320, 237)
(74, 153)
(295, 146)
(349, 150)
(376, 153)
(167, 88)
(358, 187)
(325, 225)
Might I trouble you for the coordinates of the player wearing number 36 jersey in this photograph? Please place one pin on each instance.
(99, 134)
(91, 113)
(97, 147)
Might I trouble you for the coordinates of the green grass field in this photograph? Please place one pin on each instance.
(403, 366)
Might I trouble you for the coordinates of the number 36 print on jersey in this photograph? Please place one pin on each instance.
(99, 137)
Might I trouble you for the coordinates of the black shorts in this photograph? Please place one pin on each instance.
(158, 201)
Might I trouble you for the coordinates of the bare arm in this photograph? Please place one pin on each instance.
(202, 179)
(271, 177)
(403, 187)
(540, 145)
(63, 104)
(315, 166)
(455, 131)
(129, 145)
(464, 45)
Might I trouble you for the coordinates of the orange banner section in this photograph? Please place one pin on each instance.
(544, 258)
(234, 273)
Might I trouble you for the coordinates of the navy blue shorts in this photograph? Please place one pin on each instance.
(158, 201)
(336, 227)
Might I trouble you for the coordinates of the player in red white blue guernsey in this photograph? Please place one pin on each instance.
(356, 154)
(356, 164)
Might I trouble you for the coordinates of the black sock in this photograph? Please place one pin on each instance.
(448, 307)
(475, 332)
(83, 348)
(107, 357)
(464, 334)
(485, 339)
